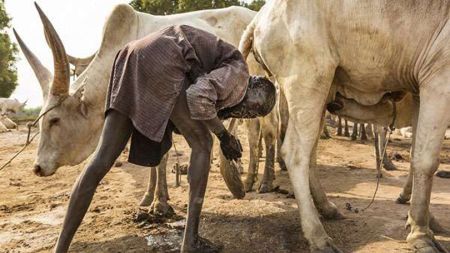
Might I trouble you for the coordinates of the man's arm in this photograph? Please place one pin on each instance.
(230, 145)
(215, 125)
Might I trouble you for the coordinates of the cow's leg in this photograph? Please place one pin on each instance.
(283, 119)
(405, 195)
(354, 131)
(386, 162)
(3, 128)
(306, 93)
(269, 133)
(346, 132)
(326, 208)
(431, 127)
(325, 134)
(339, 127)
(254, 132)
(369, 130)
(150, 192)
(363, 132)
(160, 206)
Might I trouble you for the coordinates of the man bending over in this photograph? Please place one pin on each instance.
(178, 79)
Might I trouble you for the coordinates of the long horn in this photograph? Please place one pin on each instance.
(43, 75)
(61, 80)
(80, 63)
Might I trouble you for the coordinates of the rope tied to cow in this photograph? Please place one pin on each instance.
(389, 129)
(30, 138)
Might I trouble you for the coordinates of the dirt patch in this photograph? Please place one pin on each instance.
(32, 208)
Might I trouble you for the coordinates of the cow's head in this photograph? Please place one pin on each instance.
(72, 122)
(70, 131)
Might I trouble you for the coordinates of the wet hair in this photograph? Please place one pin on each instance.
(260, 82)
(256, 85)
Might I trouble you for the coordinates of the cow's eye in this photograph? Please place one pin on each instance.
(54, 121)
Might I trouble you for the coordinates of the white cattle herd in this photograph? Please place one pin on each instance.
(385, 63)
(9, 106)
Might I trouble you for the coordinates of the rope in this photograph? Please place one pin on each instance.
(380, 162)
(29, 137)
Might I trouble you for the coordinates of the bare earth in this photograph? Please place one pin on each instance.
(32, 208)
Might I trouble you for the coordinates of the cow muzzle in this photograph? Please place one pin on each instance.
(40, 172)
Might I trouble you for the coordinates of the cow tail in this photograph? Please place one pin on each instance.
(246, 43)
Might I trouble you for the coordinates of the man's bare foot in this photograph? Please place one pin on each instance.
(203, 245)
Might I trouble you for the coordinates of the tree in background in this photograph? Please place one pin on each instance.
(8, 71)
(166, 7)
(255, 5)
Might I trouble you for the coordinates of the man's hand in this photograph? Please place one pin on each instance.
(230, 145)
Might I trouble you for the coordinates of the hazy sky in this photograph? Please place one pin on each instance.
(79, 24)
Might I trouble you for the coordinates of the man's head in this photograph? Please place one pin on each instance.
(258, 101)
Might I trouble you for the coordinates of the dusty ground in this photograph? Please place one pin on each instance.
(32, 208)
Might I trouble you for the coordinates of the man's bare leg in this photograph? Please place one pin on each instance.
(200, 140)
(115, 135)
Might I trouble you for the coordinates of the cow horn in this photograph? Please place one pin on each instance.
(80, 63)
(43, 75)
(61, 80)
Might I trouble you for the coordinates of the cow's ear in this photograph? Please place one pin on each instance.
(84, 109)
(83, 106)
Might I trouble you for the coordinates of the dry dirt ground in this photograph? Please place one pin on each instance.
(32, 208)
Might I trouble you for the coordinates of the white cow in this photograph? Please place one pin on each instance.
(362, 49)
(8, 123)
(10, 105)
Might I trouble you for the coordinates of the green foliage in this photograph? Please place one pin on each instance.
(27, 114)
(8, 71)
(255, 5)
(166, 7)
(156, 7)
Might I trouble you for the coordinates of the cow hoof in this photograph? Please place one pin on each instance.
(265, 188)
(161, 209)
(325, 137)
(248, 185)
(331, 212)
(427, 245)
(443, 174)
(146, 200)
(203, 245)
(436, 227)
(282, 165)
(402, 200)
(335, 215)
(389, 167)
(329, 248)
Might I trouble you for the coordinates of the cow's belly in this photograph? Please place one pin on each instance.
(365, 82)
